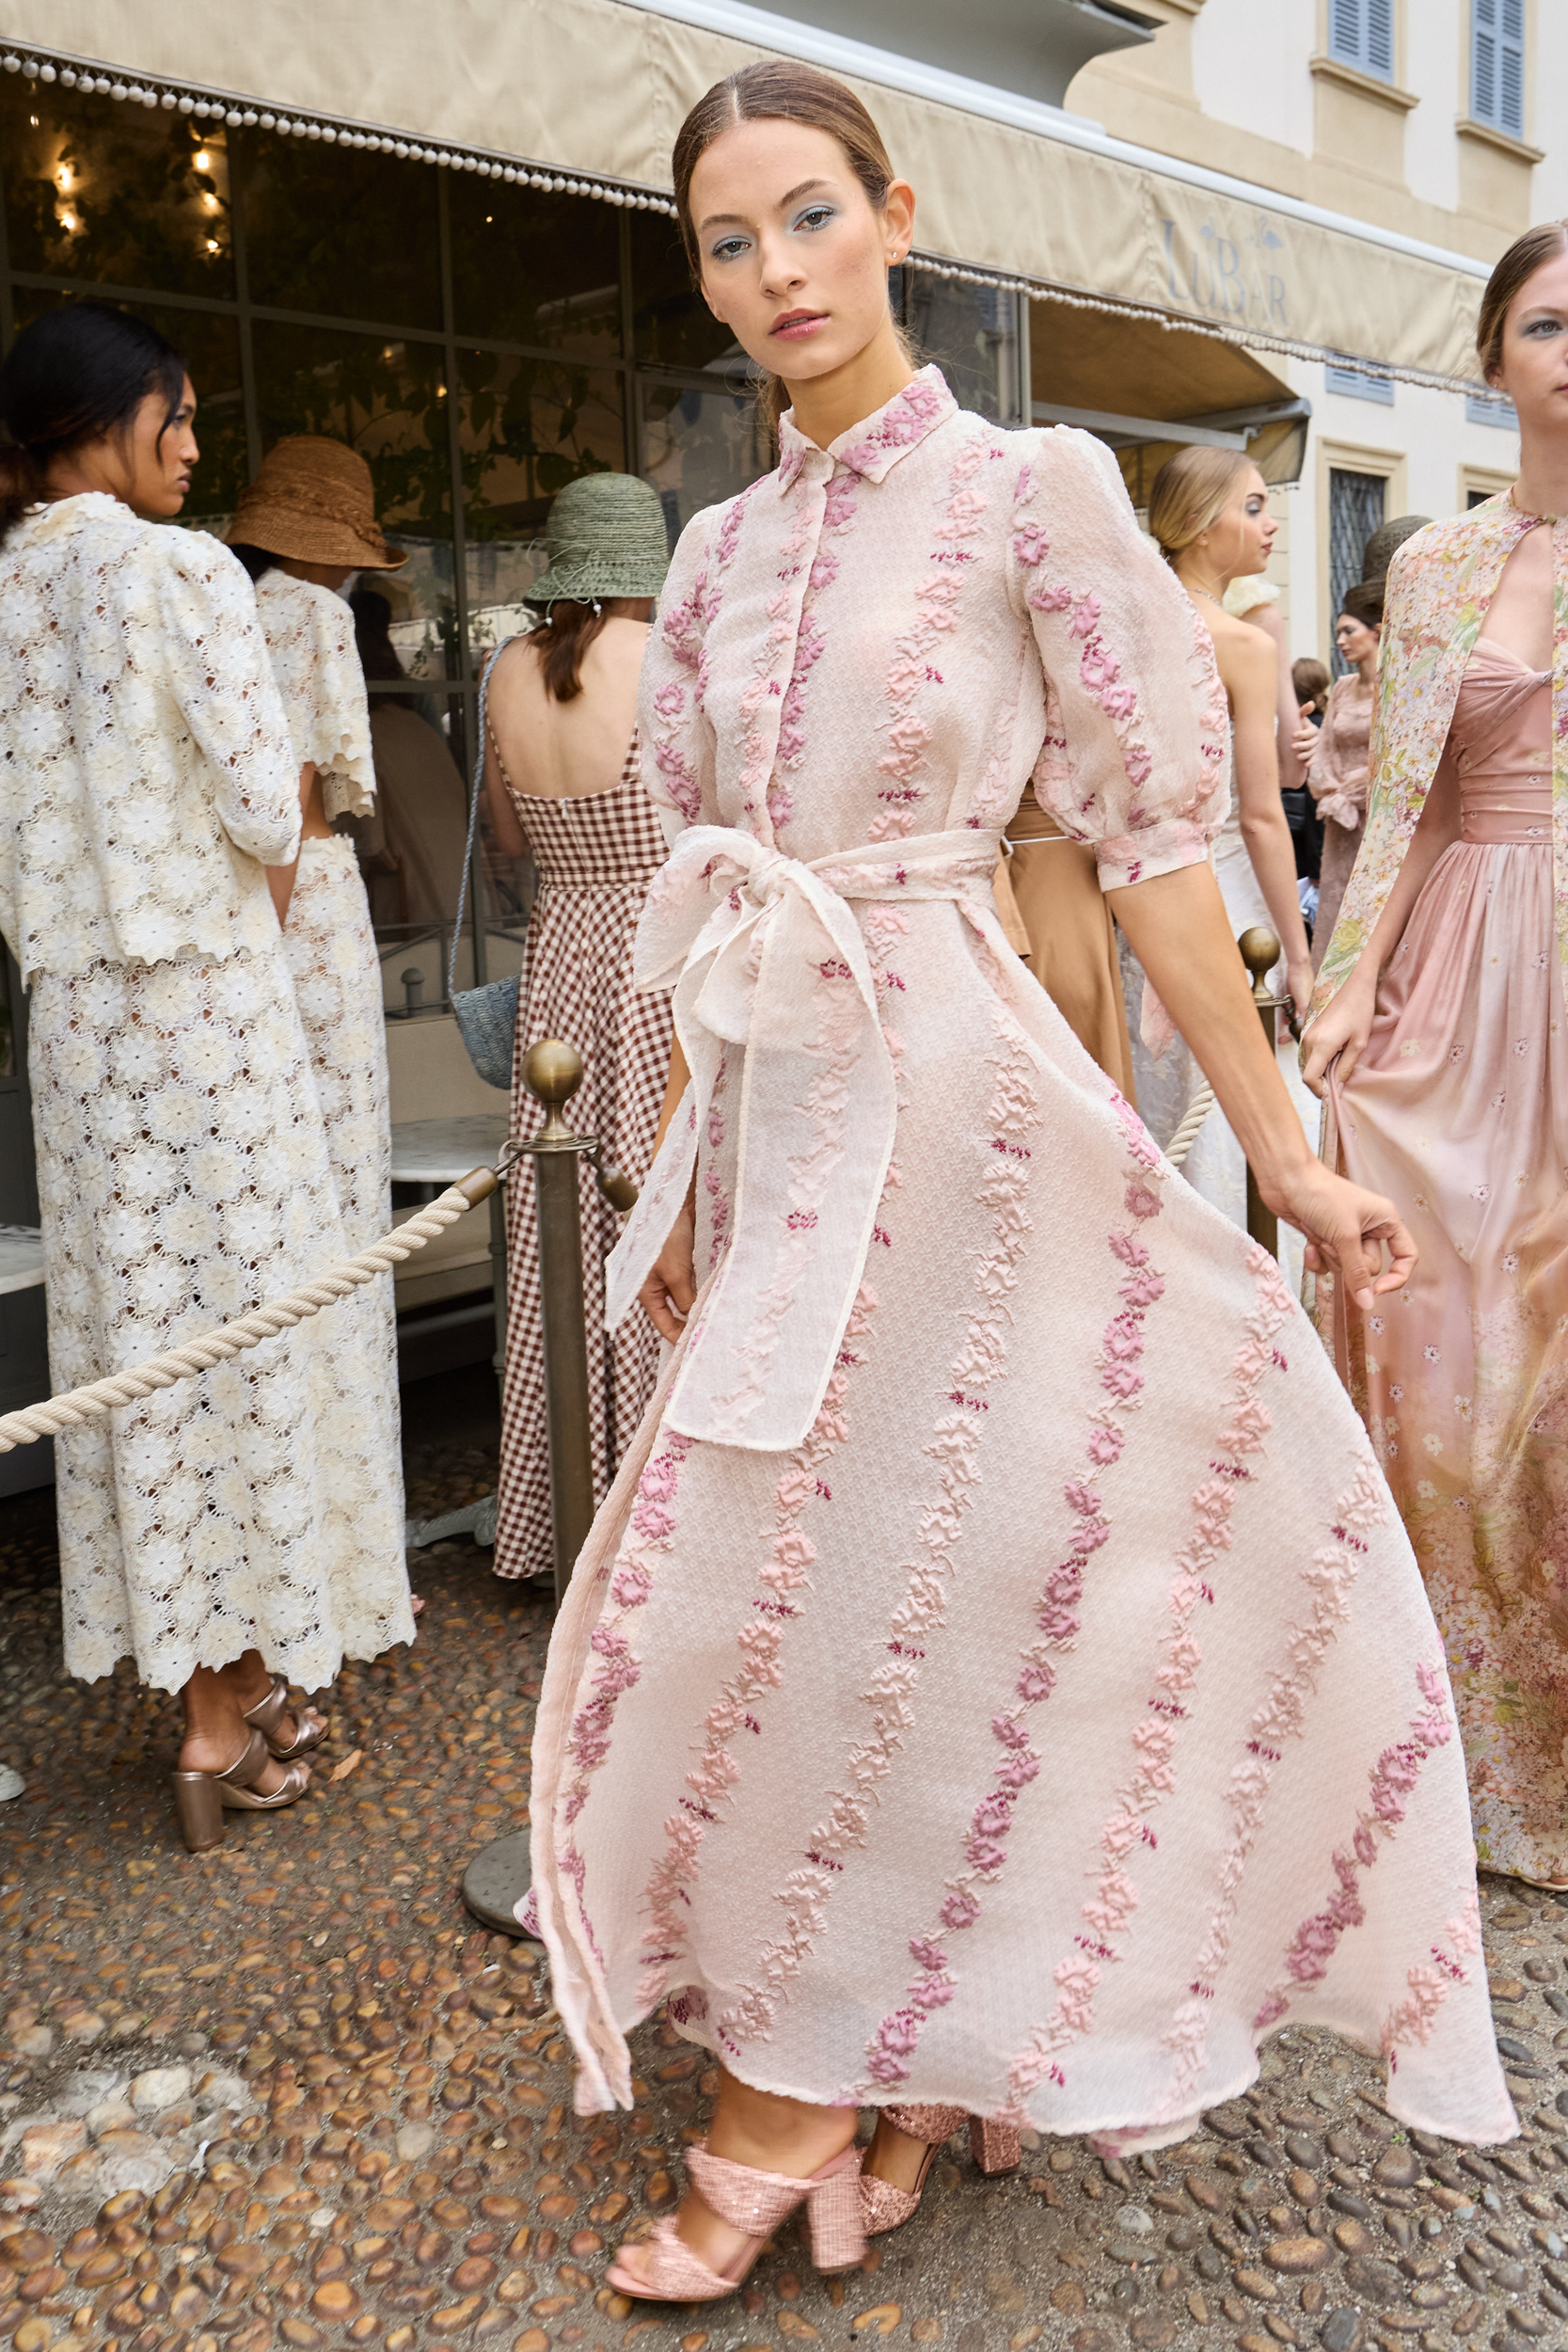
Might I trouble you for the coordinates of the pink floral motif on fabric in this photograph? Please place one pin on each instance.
(760, 1641)
(1156, 1741)
(917, 669)
(1391, 1783)
(893, 2046)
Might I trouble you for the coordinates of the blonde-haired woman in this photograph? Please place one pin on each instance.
(1440, 1041)
(1208, 509)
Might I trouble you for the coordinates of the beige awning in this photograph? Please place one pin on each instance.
(598, 87)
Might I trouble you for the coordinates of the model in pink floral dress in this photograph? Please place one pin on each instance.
(1458, 1108)
(997, 1675)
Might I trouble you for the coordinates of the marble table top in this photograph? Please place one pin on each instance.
(438, 1151)
(21, 1257)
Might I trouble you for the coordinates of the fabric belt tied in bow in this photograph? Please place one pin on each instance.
(764, 953)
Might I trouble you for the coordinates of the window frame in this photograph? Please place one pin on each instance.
(1489, 23)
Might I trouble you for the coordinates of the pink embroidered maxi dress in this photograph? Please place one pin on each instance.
(997, 1675)
(1458, 1109)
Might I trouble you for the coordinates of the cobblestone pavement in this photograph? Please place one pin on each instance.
(286, 2094)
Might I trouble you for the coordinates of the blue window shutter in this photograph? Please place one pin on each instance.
(1483, 60)
(1347, 31)
(1379, 38)
(1510, 70)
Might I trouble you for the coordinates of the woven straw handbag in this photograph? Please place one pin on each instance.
(487, 1016)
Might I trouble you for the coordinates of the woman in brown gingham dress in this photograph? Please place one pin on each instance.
(560, 708)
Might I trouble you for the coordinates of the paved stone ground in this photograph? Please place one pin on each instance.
(285, 2093)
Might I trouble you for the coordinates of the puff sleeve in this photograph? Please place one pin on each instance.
(310, 634)
(1136, 753)
(680, 775)
(221, 675)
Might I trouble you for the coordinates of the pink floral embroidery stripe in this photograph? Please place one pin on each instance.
(806, 1891)
(1391, 1783)
(893, 2046)
(1328, 1579)
(917, 672)
(1108, 1910)
(713, 1778)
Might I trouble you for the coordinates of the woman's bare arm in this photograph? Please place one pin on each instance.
(1180, 934)
(280, 879)
(671, 1284)
(1248, 665)
(506, 827)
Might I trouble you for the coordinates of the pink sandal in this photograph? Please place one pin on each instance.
(759, 2204)
(995, 2147)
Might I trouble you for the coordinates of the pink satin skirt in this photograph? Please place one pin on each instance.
(1459, 1112)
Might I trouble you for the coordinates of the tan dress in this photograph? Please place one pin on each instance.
(1071, 941)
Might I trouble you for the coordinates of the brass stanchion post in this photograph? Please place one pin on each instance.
(552, 1071)
(1260, 952)
(498, 1877)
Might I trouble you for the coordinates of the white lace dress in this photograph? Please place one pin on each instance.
(146, 776)
(329, 947)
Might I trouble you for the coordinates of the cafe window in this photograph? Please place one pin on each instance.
(480, 344)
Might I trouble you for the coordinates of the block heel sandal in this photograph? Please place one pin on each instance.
(200, 1798)
(759, 2204)
(265, 1716)
(995, 2148)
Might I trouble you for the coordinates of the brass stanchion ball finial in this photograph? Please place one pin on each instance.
(1260, 953)
(552, 1070)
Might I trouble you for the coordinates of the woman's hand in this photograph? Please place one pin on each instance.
(1304, 741)
(1346, 1230)
(1300, 981)
(666, 1294)
(1342, 1029)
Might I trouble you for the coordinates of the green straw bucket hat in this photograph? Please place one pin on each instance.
(604, 537)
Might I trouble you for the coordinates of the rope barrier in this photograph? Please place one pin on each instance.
(262, 1323)
(1186, 1137)
(281, 1314)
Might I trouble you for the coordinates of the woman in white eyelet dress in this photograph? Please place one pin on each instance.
(147, 779)
(330, 947)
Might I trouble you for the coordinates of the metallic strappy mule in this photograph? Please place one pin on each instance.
(759, 2204)
(268, 1714)
(995, 2147)
(200, 1798)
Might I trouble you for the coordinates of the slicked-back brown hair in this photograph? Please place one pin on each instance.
(1524, 256)
(777, 90)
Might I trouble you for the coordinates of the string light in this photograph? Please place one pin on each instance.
(185, 101)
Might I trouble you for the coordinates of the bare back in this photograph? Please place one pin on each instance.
(567, 750)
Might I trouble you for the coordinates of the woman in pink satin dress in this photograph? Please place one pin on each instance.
(1442, 1049)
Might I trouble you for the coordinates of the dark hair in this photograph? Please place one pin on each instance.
(257, 561)
(777, 90)
(1524, 256)
(1309, 678)
(562, 638)
(1363, 602)
(373, 634)
(76, 375)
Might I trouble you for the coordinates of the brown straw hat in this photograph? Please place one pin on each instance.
(314, 503)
